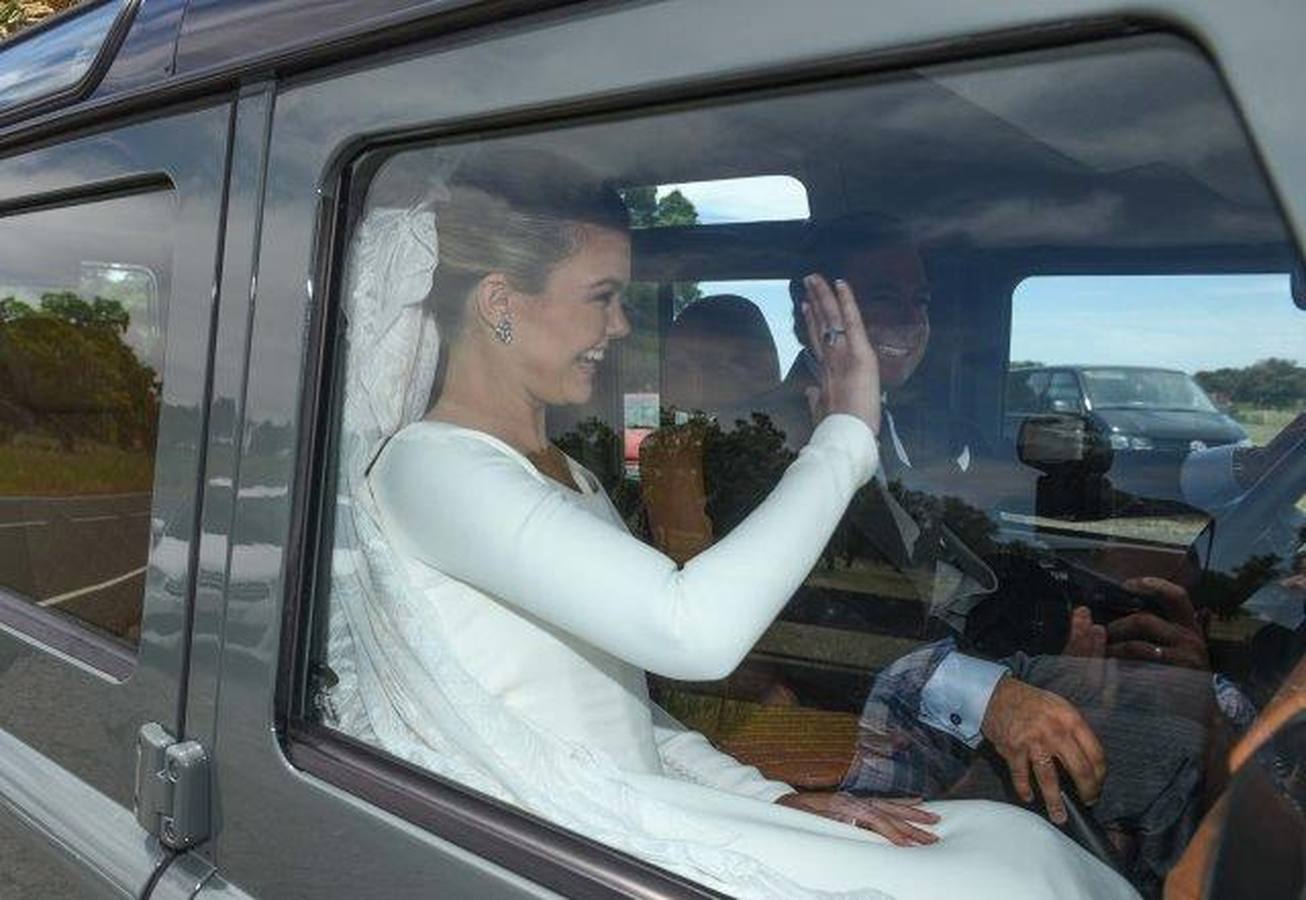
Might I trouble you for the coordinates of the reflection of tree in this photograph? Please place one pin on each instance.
(640, 356)
(1275, 383)
(15, 15)
(594, 445)
(65, 370)
(741, 465)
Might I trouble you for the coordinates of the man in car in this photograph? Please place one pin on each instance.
(935, 717)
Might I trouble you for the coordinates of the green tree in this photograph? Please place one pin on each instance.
(15, 15)
(675, 209)
(640, 357)
(65, 367)
(11, 309)
(1275, 383)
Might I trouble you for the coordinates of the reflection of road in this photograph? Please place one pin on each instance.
(85, 555)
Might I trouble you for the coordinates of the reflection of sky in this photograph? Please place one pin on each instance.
(1186, 322)
(39, 65)
(760, 198)
(772, 298)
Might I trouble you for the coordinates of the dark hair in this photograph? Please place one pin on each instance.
(832, 244)
(719, 321)
(514, 211)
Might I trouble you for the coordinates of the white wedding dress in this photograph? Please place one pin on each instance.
(559, 612)
(493, 627)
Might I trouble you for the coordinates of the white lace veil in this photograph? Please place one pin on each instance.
(399, 687)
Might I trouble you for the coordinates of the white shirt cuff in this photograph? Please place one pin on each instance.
(852, 437)
(957, 694)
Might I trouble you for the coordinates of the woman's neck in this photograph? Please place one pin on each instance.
(474, 397)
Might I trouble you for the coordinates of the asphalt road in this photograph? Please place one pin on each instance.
(83, 555)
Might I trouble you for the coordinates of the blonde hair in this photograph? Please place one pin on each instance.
(518, 213)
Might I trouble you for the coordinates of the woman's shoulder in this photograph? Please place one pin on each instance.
(427, 446)
(447, 436)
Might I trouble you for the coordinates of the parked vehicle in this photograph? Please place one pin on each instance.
(185, 191)
(1139, 409)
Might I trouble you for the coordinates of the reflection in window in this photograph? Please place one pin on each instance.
(1052, 499)
(83, 301)
(759, 198)
(55, 58)
(1138, 352)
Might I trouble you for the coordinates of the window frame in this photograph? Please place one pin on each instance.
(83, 86)
(328, 755)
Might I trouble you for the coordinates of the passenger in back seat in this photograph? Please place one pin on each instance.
(935, 712)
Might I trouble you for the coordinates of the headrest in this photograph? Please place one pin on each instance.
(718, 352)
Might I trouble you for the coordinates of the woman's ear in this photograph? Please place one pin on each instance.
(492, 300)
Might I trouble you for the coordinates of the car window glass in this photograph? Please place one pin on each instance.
(83, 314)
(56, 58)
(1062, 394)
(560, 607)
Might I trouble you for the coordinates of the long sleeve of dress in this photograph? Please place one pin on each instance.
(691, 757)
(468, 506)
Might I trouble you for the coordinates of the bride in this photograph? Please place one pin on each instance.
(492, 619)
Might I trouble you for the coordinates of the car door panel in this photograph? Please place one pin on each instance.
(69, 713)
(505, 76)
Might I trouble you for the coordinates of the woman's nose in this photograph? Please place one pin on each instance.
(618, 324)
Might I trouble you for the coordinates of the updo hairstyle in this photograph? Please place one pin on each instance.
(515, 212)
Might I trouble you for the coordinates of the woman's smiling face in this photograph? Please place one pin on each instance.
(562, 333)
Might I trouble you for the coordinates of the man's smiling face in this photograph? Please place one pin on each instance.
(893, 294)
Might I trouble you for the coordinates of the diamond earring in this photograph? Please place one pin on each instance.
(503, 330)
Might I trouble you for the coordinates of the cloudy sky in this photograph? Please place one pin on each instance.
(1187, 322)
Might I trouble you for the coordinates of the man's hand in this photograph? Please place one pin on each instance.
(895, 819)
(1086, 639)
(1176, 639)
(1033, 728)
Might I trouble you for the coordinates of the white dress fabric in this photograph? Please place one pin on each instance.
(493, 626)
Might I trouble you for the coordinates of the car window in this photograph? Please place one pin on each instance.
(1063, 393)
(598, 548)
(1025, 390)
(83, 314)
(57, 61)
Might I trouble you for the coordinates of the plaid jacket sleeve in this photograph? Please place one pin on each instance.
(897, 754)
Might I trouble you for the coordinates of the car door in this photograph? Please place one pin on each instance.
(108, 265)
(304, 811)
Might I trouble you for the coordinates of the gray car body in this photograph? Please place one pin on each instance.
(289, 89)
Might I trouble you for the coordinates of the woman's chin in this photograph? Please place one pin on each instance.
(576, 391)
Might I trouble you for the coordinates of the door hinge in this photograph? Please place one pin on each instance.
(172, 787)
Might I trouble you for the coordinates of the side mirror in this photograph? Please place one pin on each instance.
(1063, 442)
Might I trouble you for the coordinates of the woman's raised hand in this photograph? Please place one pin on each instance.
(850, 373)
